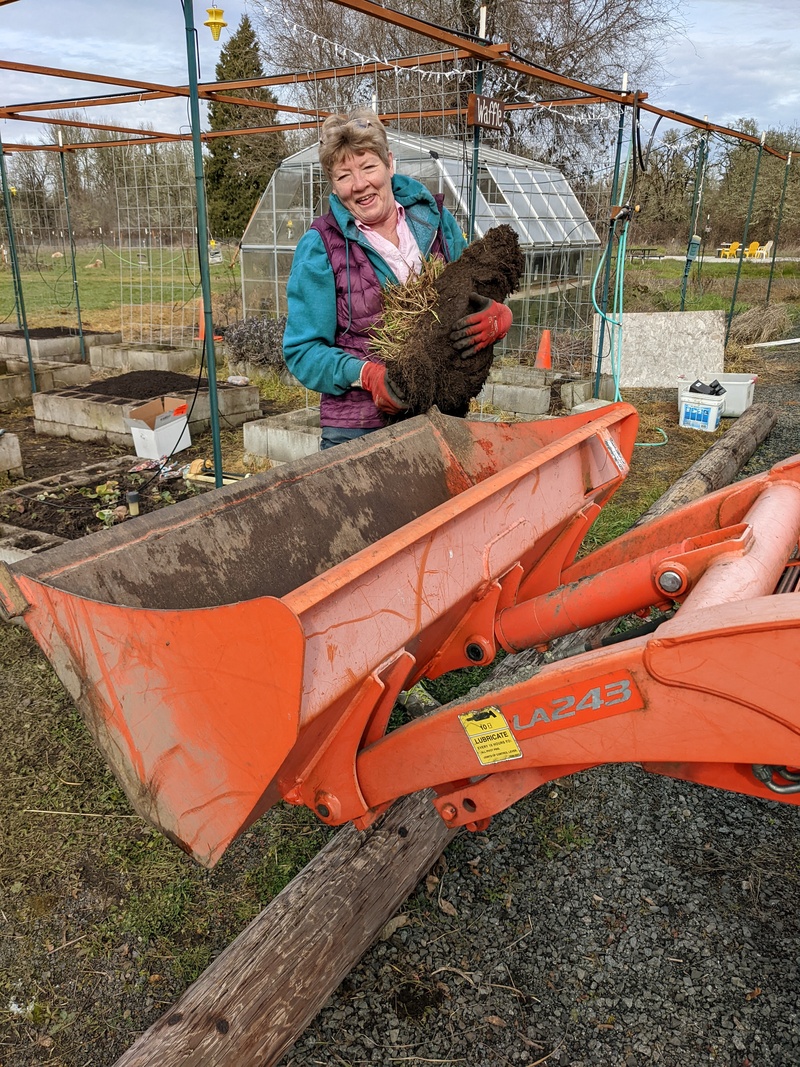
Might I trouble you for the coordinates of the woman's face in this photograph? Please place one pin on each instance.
(363, 183)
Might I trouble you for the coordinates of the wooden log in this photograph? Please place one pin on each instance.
(253, 1002)
(717, 467)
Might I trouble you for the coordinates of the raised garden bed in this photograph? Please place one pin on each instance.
(70, 505)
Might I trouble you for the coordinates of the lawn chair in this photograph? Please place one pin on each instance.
(752, 250)
(731, 251)
(764, 251)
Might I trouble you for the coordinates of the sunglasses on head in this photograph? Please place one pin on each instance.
(358, 124)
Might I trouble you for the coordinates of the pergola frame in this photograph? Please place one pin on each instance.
(460, 46)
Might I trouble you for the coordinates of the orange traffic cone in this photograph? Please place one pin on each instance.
(201, 323)
(544, 359)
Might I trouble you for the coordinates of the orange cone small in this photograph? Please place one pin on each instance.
(544, 359)
(201, 323)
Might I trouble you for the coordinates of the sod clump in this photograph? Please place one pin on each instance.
(413, 335)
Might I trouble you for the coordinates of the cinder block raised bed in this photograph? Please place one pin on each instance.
(63, 349)
(129, 357)
(15, 378)
(18, 543)
(87, 416)
(283, 438)
(530, 391)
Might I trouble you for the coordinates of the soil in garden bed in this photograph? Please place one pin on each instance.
(145, 384)
(71, 511)
(44, 333)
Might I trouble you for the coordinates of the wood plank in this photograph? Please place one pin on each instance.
(259, 995)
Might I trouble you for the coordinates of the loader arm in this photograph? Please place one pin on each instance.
(710, 697)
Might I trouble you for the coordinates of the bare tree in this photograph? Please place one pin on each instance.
(594, 41)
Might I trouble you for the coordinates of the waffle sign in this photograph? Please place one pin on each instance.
(485, 111)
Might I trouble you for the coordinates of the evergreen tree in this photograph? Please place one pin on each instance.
(238, 168)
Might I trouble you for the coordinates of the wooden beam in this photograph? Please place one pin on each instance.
(260, 994)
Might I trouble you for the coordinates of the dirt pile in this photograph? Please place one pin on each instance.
(428, 370)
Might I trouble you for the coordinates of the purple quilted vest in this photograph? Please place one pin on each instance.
(359, 302)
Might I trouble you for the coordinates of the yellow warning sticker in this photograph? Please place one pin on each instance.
(490, 735)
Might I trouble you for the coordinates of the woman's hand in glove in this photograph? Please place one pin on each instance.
(375, 380)
(489, 321)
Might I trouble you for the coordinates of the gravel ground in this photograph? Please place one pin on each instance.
(615, 918)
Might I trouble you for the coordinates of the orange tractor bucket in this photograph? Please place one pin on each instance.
(219, 648)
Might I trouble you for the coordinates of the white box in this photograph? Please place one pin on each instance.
(160, 427)
(738, 388)
(700, 412)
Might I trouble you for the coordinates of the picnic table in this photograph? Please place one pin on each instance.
(643, 253)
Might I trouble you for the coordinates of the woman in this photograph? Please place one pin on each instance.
(379, 229)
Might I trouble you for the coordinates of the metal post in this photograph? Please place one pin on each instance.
(694, 244)
(744, 236)
(71, 246)
(610, 245)
(778, 225)
(15, 271)
(476, 135)
(202, 238)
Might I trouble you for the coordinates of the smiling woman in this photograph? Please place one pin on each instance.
(379, 231)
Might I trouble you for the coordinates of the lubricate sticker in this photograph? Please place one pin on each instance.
(490, 736)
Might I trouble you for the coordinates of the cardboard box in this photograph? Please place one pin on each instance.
(160, 427)
(699, 412)
(739, 389)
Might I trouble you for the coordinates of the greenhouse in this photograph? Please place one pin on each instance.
(533, 198)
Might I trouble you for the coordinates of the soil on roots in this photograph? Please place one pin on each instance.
(429, 370)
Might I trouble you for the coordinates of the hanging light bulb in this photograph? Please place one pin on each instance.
(214, 21)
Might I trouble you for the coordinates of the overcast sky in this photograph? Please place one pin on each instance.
(740, 58)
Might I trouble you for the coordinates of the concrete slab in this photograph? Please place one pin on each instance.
(658, 347)
(10, 455)
(283, 438)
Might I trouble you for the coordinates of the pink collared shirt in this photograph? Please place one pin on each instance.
(402, 260)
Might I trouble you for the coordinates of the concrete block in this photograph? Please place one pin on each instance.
(69, 374)
(17, 543)
(10, 455)
(13, 388)
(282, 438)
(525, 400)
(658, 347)
(574, 393)
(592, 404)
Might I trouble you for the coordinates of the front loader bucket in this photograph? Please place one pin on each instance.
(215, 646)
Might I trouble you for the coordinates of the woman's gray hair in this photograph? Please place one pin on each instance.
(346, 135)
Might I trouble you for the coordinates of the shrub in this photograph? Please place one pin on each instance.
(257, 341)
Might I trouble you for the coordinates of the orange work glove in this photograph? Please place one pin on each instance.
(376, 381)
(488, 322)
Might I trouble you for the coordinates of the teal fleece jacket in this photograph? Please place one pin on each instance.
(308, 340)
